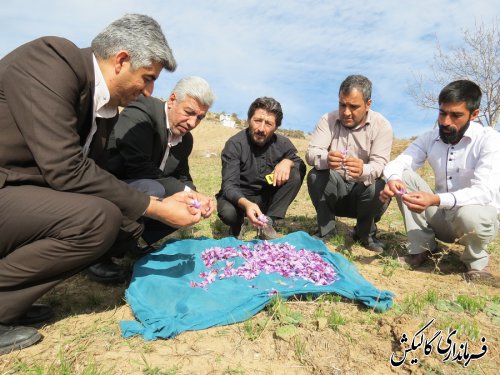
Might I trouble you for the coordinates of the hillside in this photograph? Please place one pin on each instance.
(331, 335)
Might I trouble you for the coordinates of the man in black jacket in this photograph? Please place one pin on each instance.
(150, 147)
(261, 172)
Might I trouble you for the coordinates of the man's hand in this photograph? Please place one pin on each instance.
(353, 167)
(281, 172)
(252, 212)
(392, 188)
(338, 161)
(177, 210)
(420, 200)
(335, 160)
(207, 204)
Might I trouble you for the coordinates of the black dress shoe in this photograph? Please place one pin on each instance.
(37, 313)
(106, 272)
(17, 337)
(371, 243)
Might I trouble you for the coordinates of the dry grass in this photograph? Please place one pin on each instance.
(329, 335)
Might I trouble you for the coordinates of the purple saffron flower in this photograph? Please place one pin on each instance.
(196, 204)
(267, 257)
(263, 219)
(401, 191)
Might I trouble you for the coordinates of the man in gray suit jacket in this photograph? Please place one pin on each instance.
(60, 210)
(150, 147)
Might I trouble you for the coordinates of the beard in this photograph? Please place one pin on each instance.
(454, 135)
(259, 139)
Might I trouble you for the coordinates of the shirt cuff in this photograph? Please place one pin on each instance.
(447, 200)
(394, 177)
(187, 188)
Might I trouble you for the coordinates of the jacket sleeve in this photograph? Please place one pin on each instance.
(43, 91)
(181, 153)
(231, 171)
(290, 153)
(135, 140)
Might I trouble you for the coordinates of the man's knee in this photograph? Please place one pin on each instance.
(227, 212)
(479, 220)
(372, 191)
(316, 181)
(149, 187)
(102, 221)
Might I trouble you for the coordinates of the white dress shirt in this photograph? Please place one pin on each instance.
(465, 174)
(171, 140)
(101, 98)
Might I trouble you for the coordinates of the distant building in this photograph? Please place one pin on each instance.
(226, 120)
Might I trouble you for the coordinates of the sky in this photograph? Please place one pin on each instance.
(295, 51)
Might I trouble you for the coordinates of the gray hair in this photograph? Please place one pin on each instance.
(196, 88)
(358, 82)
(139, 35)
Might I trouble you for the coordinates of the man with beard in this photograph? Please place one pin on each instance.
(465, 159)
(348, 150)
(248, 157)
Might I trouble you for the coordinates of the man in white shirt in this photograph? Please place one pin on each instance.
(465, 157)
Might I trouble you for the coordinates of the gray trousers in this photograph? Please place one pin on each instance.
(332, 196)
(473, 226)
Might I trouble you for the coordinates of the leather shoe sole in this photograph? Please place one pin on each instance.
(106, 273)
(16, 338)
(372, 243)
(37, 313)
(481, 277)
(416, 260)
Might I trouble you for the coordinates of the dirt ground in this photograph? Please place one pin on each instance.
(84, 336)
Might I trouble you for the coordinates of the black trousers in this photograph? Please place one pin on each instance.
(153, 230)
(47, 236)
(332, 196)
(273, 201)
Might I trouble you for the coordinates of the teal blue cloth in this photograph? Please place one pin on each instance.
(165, 304)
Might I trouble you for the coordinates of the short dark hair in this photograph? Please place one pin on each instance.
(269, 105)
(462, 90)
(358, 82)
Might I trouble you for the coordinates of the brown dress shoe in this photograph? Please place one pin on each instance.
(483, 276)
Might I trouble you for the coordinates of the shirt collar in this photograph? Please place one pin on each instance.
(101, 94)
(172, 139)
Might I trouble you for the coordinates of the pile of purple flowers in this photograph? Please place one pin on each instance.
(268, 257)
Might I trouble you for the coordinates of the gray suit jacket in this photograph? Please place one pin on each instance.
(46, 106)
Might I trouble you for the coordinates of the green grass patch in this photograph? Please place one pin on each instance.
(471, 304)
(335, 319)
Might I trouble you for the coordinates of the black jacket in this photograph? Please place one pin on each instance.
(138, 143)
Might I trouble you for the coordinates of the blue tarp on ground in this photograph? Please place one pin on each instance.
(165, 304)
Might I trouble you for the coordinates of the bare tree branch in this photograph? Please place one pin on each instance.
(478, 60)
